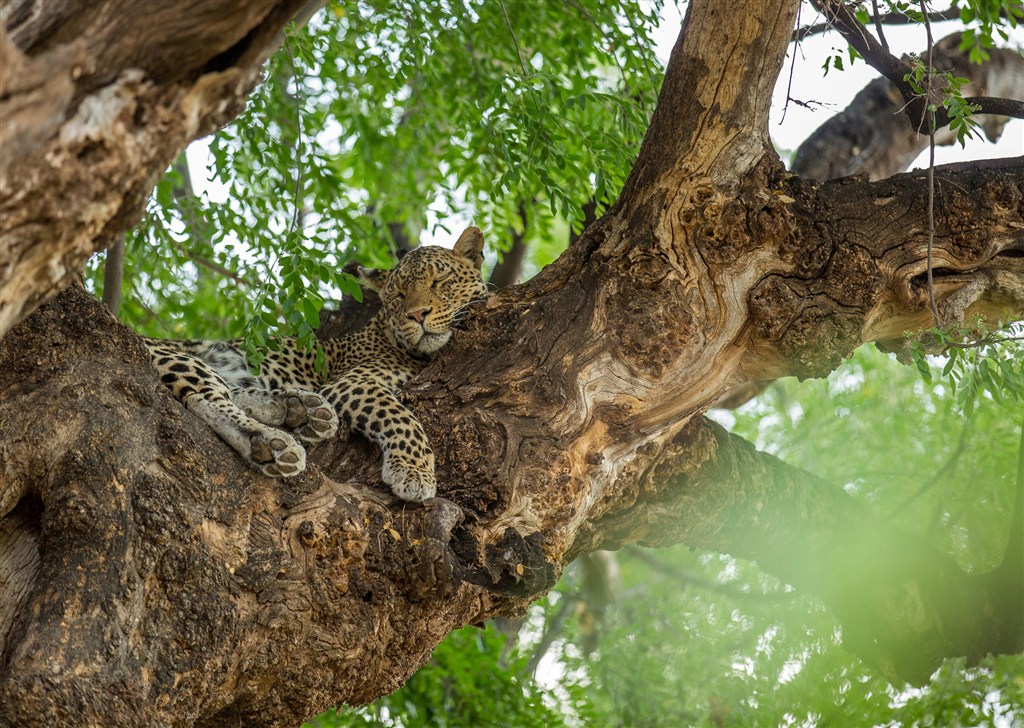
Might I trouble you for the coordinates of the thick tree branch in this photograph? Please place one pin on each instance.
(871, 137)
(979, 251)
(88, 123)
(717, 86)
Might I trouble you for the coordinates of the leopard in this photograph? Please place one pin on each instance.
(271, 416)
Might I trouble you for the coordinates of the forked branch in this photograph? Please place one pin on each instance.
(896, 70)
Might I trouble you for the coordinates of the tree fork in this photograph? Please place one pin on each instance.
(173, 585)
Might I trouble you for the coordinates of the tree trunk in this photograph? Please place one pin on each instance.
(154, 579)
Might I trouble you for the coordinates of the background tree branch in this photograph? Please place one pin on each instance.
(895, 70)
(879, 19)
(871, 137)
(113, 275)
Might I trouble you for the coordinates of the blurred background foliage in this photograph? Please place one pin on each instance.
(382, 125)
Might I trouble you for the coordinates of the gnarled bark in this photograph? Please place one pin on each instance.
(159, 580)
(94, 104)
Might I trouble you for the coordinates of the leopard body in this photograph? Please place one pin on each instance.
(268, 418)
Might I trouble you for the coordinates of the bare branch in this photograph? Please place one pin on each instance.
(998, 106)
(878, 20)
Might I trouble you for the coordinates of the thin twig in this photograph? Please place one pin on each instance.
(931, 166)
(647, 66)
(792, 65)
(298, 139)
(212, 267)
(519, 57)
(978, 343)
(878, 24)
(515, 41)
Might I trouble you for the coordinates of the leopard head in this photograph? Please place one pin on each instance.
(424, 293)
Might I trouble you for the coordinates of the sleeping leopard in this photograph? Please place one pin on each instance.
(421, 298)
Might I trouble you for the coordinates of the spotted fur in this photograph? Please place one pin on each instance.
(266, 418)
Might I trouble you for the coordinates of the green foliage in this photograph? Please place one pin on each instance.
(904, 445)
(960, 111)
(989, 17)
(980, 363)
(911, 10)
(982, 20)
(378, 116)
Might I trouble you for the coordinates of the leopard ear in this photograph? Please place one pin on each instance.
(470, 246)
(373, 278)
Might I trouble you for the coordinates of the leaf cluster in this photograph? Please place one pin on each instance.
(983, 20)
(373, 122)
(960, 111)
(981, 362)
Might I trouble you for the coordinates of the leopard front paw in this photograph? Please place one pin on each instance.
(410, 478)
(277, 454)
(310, 417)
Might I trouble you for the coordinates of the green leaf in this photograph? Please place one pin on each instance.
(312, 312)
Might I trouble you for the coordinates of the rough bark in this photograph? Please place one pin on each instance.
(94, 104)
(156, 580)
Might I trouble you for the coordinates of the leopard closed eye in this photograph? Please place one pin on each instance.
(267, 418)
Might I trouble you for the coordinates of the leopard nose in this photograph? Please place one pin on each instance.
(419, 314)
